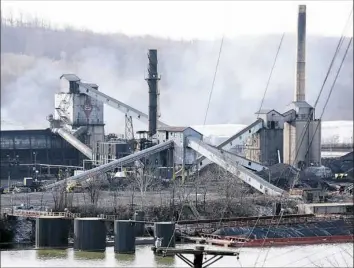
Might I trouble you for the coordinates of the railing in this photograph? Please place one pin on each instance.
(108, 217)
(36, 214)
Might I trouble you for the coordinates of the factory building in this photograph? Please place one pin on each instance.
(182, 154)
(110, 150)
(293, 137)
(34, 147)
(266, 145)
(302, 134)
(79, 110)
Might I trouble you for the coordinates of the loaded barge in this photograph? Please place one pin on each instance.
(238, 241)
(286, 230)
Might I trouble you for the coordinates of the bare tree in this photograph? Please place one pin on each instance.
(144, 178)
(93, 186)
(42, 202)
(115, 201)
(230, 188)
(59, 198)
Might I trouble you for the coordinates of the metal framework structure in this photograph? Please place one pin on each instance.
(126, 109)
(237, 139)
(66, 135)
(199, 254)
(116, 163)
(224, 161)
(129, 130)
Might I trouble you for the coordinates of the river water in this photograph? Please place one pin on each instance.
(339, 255)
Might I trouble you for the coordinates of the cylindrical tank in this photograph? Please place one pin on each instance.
(139, 227)
(315, 143)
(89, 234)
(52, 232)
(124, 236)
(166, 232)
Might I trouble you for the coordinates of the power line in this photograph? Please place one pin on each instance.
(330, 92)
(214, 78)
(328, 97)
(206, 114)
(270, 75)
(308, 120)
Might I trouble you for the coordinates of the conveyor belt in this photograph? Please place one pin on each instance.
(221, 159)
(116, 163)
(70, 138)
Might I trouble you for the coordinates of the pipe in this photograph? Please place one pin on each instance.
(152, 79)
(301, 54)
(70, 138)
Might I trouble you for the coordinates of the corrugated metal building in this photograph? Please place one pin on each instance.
(38, 146)
(179, 135)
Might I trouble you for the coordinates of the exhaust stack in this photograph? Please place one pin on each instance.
(301, 54)
(152, 81)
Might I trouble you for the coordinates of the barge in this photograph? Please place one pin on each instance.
(237, 242)
(324, 231)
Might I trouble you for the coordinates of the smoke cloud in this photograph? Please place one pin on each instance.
(187, 70)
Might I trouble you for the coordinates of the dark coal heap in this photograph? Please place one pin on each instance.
(281, 175)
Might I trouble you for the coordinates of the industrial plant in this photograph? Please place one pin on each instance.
(75, 147)
(75, 150)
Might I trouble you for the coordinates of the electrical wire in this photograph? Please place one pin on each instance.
(206, 114)
(302, 138)
(332, 87)
(214, 78)
(270, 75)
(334, 82)
(265, 91)
(330, 92)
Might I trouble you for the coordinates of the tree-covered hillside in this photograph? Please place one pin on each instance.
(33, 56)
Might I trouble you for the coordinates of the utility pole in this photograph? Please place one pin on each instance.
(12, 162)
(35, 165)
(199, 252)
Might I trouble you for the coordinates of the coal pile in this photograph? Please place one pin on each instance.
(329, 228)
(281, 175)
(341, 164)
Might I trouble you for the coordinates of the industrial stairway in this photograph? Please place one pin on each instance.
(116, 163)
(229, 164)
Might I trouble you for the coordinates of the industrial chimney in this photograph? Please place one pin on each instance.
(152, 81)
(301, 54)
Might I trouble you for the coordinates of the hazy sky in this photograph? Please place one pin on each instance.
(188, 19)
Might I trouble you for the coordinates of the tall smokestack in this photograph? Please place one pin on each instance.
(301, 54)
(152, 81)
